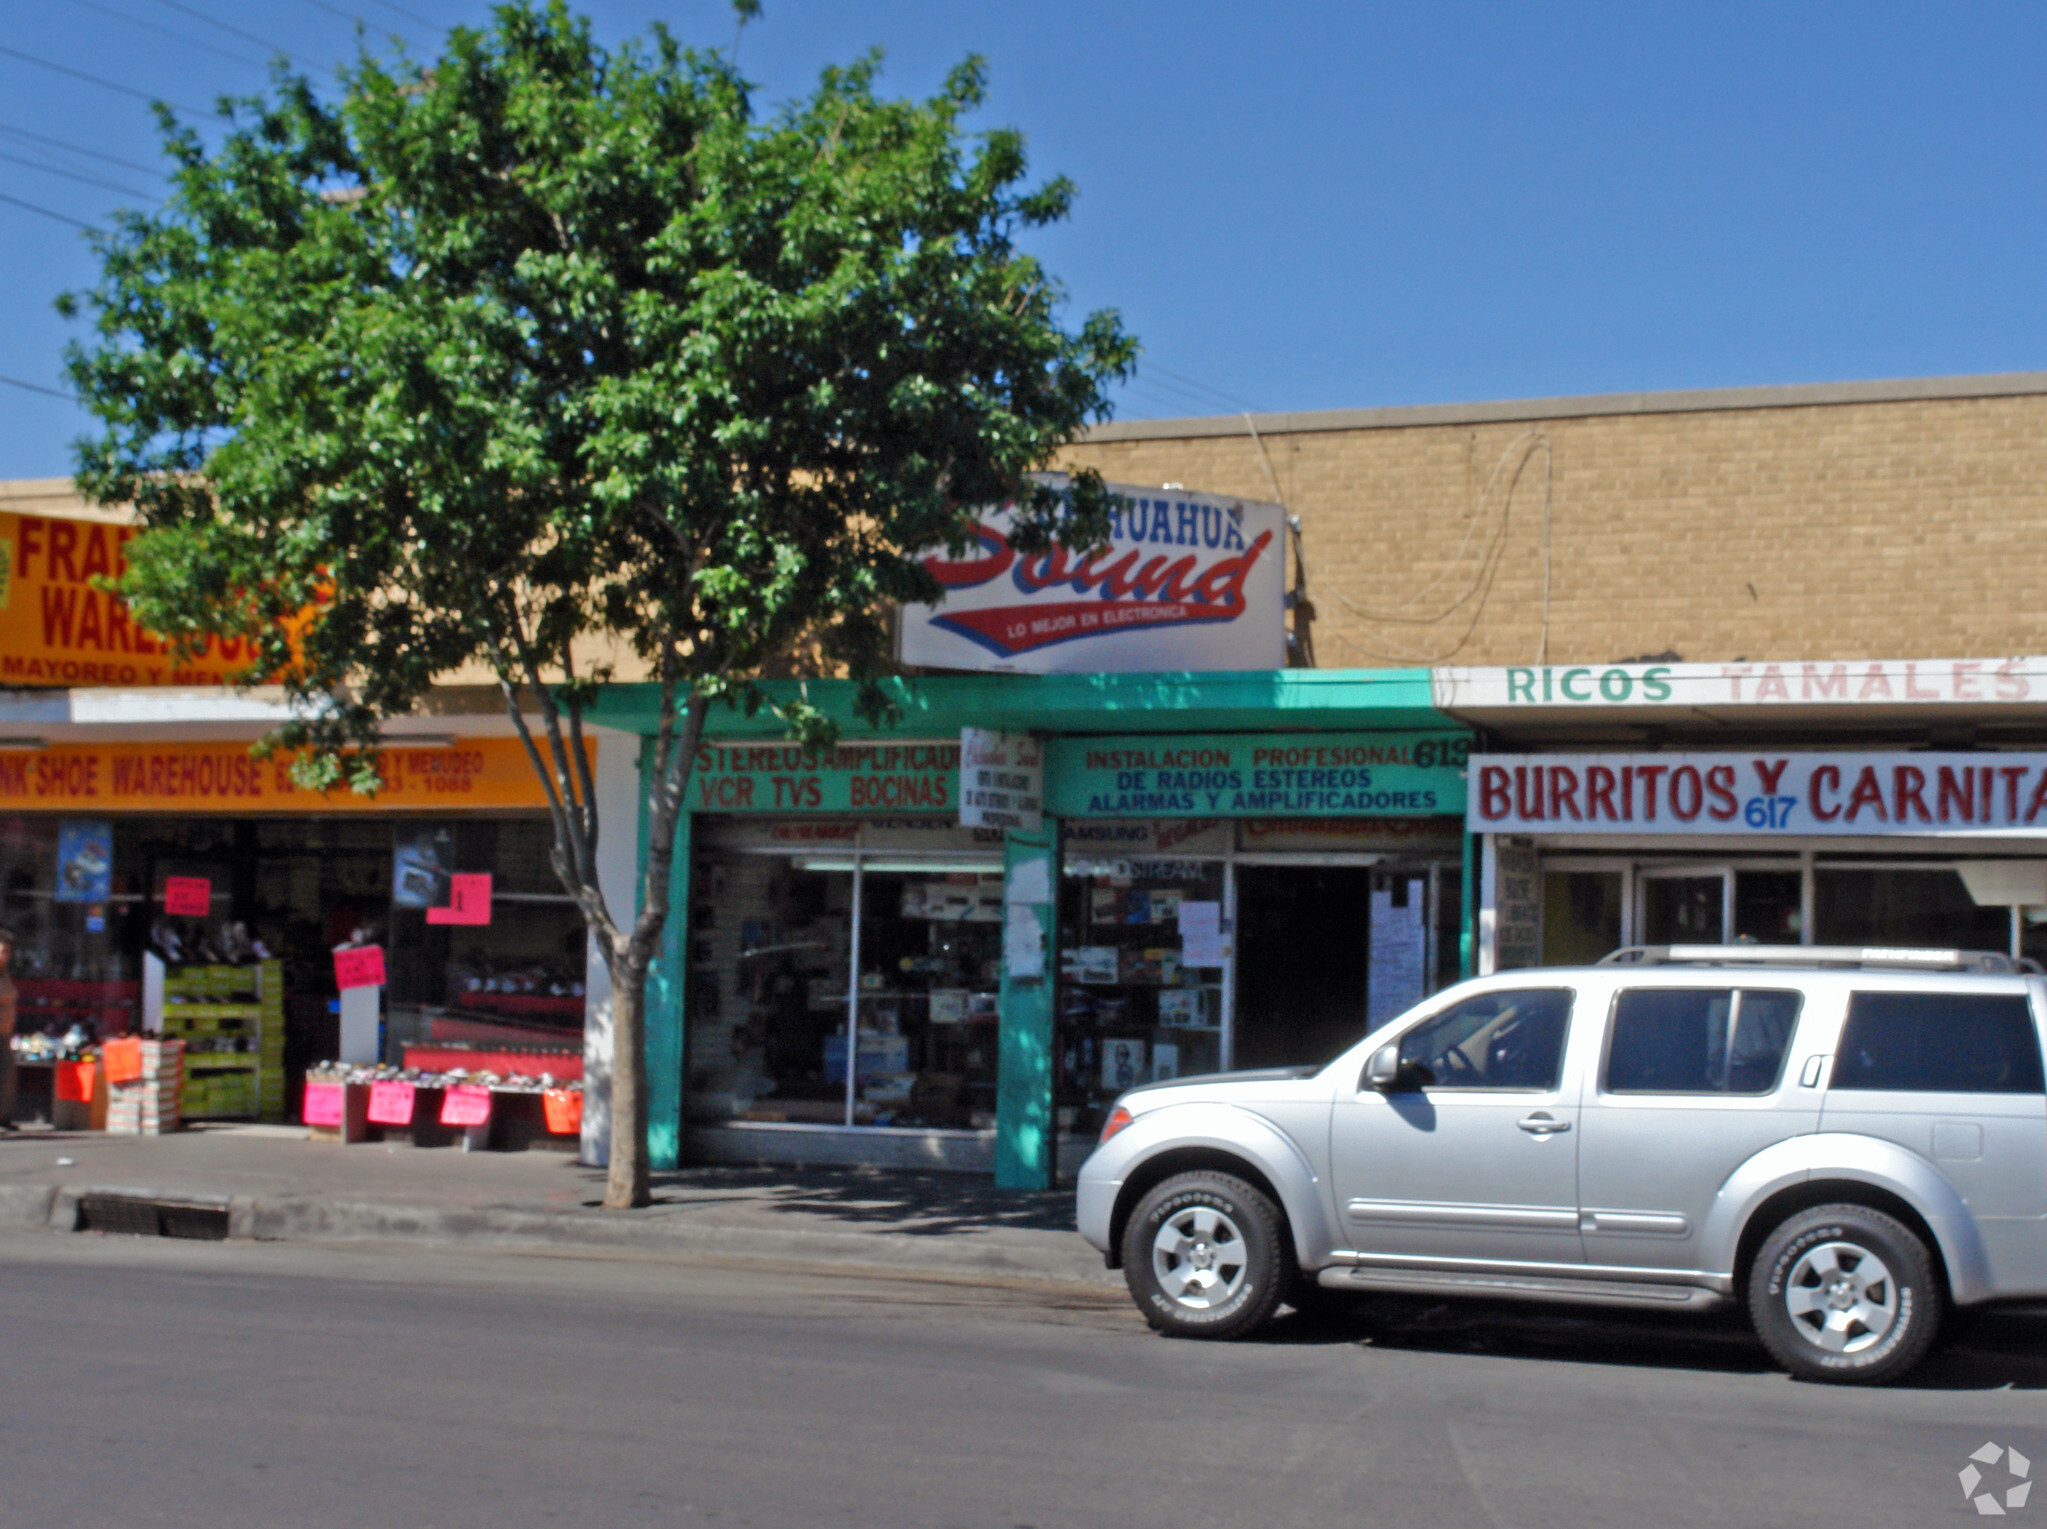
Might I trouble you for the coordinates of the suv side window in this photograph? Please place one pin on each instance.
(1699, 1040)
(1498, 1040)
(1950, 1043)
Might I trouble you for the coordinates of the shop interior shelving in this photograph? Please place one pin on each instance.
(51, 1005)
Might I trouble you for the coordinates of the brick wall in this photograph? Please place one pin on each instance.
(1750, 524)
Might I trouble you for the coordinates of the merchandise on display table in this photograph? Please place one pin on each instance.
(350, 1104)
(427, 1077)
(231, 1019)
(57, 1078)
(73, 1045)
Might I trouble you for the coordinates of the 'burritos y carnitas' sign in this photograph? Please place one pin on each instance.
(1186, 582)
(1758, 793)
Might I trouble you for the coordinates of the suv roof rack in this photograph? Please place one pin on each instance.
(1853, 957)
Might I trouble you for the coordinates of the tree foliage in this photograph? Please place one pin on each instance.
(540, 346)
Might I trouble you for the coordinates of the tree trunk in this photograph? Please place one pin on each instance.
(633, 955)
(626, 1183)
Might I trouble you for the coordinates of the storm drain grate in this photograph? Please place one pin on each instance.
(134, 1216)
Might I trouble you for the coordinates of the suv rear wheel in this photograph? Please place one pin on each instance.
(1847, 1294)
(1203, 1257)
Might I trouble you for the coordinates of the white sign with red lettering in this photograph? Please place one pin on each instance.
(1862, 682)
(1759, 792)
(1187, 582)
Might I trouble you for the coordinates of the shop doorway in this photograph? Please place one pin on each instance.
(1713, 905)
(1303, 962)
(1687, 907)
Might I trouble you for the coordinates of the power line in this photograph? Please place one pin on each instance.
(1206, 398)
(1168, 396)
(37, 387)
(1159, 405)
(93, 79)
(1187, 383)
(88, 180)
(412, 16)
(199, 15)
(61, 217)
(163, 31)
(72, 148)
(335, 10)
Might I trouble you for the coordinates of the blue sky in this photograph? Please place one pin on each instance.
(1307, 206)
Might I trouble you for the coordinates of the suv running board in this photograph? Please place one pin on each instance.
(1523, 1287)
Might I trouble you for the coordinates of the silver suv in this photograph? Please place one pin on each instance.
(1848, 1141)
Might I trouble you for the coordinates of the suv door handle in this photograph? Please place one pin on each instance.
(1543, 1124)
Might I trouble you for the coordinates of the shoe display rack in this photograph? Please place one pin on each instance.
(231, 1019)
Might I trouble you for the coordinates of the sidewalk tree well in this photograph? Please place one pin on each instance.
(542, 352)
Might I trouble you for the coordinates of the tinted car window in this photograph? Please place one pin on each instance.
(1498, 1040)
(1953, 1043)
(1699, 1040)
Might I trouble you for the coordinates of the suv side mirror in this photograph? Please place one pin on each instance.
(1384, 1071)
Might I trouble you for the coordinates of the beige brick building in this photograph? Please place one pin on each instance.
(1853, 520)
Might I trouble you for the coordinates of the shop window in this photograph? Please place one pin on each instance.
(1768, 906)
(1132, 1008)
(1856, 905)
(2033, 933)
(519, 977)
(74, 934)
(1581, 916)
(1683, 909)
(1699, 1041)
(773, 954)
(1939, 1043)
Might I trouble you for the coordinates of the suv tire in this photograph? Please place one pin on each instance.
(1203, 1256)
(1846, 1294)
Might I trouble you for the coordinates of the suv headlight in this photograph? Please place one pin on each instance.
(1119, 1117)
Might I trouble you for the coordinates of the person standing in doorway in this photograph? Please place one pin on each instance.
(6, 1030)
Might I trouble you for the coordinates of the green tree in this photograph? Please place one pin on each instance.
(542, 346)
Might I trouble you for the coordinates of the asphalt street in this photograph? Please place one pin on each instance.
(229, 1384)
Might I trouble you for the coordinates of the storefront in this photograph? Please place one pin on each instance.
(1229, 870)
(158, 878)
(1872, 803)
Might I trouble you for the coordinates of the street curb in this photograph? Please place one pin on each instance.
(312, 1218)
(26, 1204)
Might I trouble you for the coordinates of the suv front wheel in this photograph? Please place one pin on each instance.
(1203, 1257)
(1846, 1294)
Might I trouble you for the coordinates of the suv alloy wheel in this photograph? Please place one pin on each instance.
(1204, 1258)
(1847, 1294)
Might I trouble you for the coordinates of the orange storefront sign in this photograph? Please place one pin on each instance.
(57, 629)
(226, 778)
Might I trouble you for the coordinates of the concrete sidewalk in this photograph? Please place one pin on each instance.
(277, 1186)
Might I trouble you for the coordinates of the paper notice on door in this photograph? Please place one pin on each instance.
(1201, 935)
(1030, 881)
(1023, 942)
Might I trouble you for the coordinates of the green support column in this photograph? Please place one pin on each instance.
(1025, 1144)
(667, 1010)
(1467, 932)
